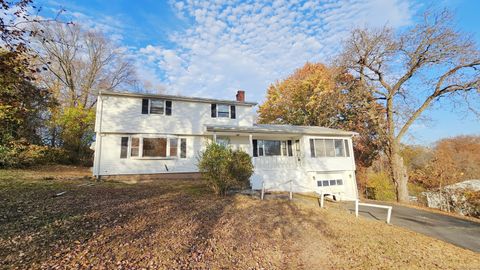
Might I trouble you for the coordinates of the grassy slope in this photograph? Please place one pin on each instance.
(178, 224)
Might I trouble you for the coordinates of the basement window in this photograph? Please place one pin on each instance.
(331, 182)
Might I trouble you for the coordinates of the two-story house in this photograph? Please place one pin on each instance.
(150, 134)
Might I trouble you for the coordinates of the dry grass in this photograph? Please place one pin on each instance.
(178, 224)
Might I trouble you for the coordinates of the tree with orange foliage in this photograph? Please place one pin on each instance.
(410, 71)
(454, 160)
(317, 95)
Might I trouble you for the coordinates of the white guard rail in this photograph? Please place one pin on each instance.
(358, 203)
(262, 195)
(322, 196)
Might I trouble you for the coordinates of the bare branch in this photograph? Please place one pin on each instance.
(427, 62)
(83, 61)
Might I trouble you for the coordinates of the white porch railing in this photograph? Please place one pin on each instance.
(276, 162)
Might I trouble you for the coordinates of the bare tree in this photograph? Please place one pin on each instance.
(411, 70)
(80, 63)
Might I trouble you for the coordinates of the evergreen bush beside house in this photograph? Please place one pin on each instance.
(224, 169)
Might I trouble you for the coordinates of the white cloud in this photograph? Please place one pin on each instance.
(233, 45)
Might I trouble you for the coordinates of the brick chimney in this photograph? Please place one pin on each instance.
(241, 96)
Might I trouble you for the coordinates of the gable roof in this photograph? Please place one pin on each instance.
(280, 129)
(176, 97)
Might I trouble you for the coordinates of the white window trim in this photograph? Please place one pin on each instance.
(331, 138)
(140, 145)
(150, 105)
(329, 185)
(229, 110)
(282, 154)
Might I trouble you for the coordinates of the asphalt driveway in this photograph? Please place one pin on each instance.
(460, 232)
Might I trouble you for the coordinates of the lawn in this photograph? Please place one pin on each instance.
(179, 224)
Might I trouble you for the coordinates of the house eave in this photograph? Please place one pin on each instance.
(280, 129)
(176, 97)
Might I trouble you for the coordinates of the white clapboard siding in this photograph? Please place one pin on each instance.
(275, 162)
(124, 115)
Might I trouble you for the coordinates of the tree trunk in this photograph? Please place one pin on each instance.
(53, 140)
(399, 175)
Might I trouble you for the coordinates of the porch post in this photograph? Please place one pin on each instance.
(251, 145)
(215, 137)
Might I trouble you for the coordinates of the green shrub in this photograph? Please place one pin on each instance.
(381, 185)
(224, 168)
(241, 168)
(20, 154)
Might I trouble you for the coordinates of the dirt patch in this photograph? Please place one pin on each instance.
(179, 224)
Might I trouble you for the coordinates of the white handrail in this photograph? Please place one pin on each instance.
(322, 196)
(389, 208)
(262, 195)
(263, 190)
(291, 194)
(358, 203)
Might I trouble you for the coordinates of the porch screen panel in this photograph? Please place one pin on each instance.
(223, 141)
(284, 148)
(297, 147)
(124, 147)
(154, 147)
(312, 148)
(339, 148)
(272, 148)
(289, 147)
(347, 149)
(329, 148)
(320, 148)
(260, 148)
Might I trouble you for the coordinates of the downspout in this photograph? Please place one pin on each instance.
(98, 145)
(354, 166)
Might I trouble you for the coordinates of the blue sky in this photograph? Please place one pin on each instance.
(214, 48)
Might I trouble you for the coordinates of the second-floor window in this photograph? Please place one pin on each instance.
(223, 111)
(156, 106)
